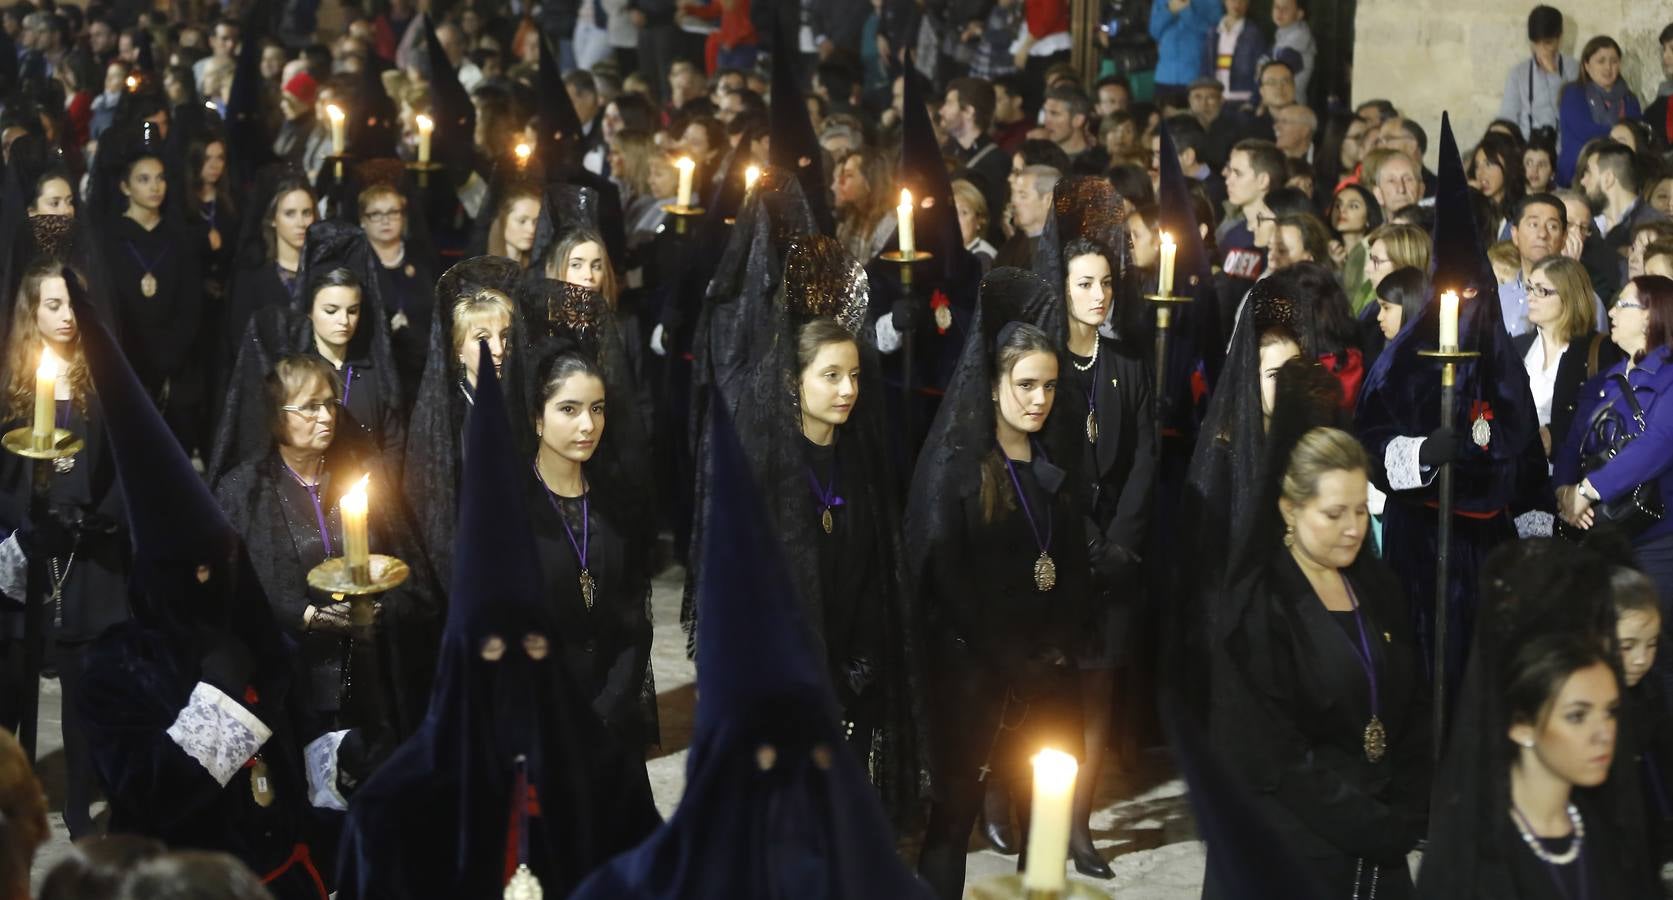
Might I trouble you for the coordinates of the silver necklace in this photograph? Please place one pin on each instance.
(1538, 849)
(1090, 362)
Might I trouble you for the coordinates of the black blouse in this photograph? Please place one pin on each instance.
(158, 330)
(849, 571)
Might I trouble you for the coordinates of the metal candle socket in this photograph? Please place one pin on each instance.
(1164, 320)
(1449, 358)
(334, 576)
(681, 214)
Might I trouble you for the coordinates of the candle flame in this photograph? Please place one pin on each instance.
(133, 82)
(355, 499)
(523, 151)
(905, 199)
(1167, 239)
(684, 164)
(50, 365)
(425, 123)
(751, 174)
(1450, 296)
(335, 112)
(1054, 768)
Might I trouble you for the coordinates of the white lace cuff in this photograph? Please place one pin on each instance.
(1375, 500)
(888, 339)
(217, 732)
(1401, 463)
(1534, 523)
(321, 758)
(14, 569)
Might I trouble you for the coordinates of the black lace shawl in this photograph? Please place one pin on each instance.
(430, 479)
(244, 431)
(1083, 206)
(948, 470)
(564, 207)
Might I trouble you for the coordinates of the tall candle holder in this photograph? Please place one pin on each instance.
(681, 214)
(1449, 357)
(422, 171)
(1165, 302)
(44, 454)
(906, 261)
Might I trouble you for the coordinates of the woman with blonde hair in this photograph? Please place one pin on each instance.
(1392, 246)
(1563, 349)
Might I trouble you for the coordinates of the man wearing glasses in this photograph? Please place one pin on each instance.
(1540, 229)
(405, 282)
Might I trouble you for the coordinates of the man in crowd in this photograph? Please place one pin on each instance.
(965, 114)
(1293, 33)
(1294, 126)
(1010, 119)
(1408, 137)
(1236, 47)
(1180, 28)
(1394, 179)
(223, 49)
(1534, 84)
(1255, 168)
(1207, 99)
(1188, 141)
(1540, 223)
(1030, 202)
(1065, 116)
(1611, 185)
(1277, 90)
(1115, 95)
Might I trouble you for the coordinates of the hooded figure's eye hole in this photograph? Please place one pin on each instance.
(493, 648)
(536, 645)
(822, 757)
(766, 756)
(203, 574)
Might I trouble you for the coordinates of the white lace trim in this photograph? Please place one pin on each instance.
(1375, 500)
(217, 732)
(1534, 523)
(1401, 463)
(888, 339)
(321, 758)
(14, 569)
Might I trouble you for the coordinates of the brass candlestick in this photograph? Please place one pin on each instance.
(45, 457)
(423, 170)
(1164, 321)
(382, 573)
(681, 214)
(1449, 358)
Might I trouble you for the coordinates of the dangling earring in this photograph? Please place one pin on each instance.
(1289, 536)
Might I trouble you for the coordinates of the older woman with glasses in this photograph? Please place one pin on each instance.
(406, 280)
(1563, 349)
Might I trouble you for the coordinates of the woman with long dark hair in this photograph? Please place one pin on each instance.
(270, 253)
(1496, 171)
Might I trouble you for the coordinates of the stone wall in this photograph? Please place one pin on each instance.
(1433, 55)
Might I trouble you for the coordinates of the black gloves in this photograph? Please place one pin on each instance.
(909, 315)
(1441, 446)
(857, 675)
(1111, 562)
(226, 664)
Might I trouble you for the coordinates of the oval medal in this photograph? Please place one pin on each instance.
(825, 520)
(523, 885)
(1376, 740)
(409, 271)
(943, 317)
(148, 285)
(1481, 432)
(1045, 572)
(1092, 427)
(589, 588)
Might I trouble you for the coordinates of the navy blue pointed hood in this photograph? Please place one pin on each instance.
(776, 805)
(450, 107)
(248, 146)
(190, 570)
(1197, 325)
(441, 817)
(1401, 391)
(794, 147)
(924, 172)
(561, 128)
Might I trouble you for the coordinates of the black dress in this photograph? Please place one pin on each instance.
(852, 577)
(408, 291)
(254, 288)
(370, 418)
(1121, 463)
(159, 329)
(1293, 694)
(606, 647)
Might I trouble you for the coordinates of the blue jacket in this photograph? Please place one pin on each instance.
(1575, 126)
(1649, 457)
(1252, 44)
(1179, 39)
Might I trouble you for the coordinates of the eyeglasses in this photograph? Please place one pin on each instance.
(381, 216)
(1264, 219)
(316, 410)
(1377, 261)
(1541, 291)
(1628, 304)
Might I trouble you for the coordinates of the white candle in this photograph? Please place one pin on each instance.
(523, 151)
(336, 114)
(46, 400)
(426, 126)
(1164, 278)
(751, 174)
(908, 243)
(1048, 823)
(1449, 320)
(355, 545)
(686, 167)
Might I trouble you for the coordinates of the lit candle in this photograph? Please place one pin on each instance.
(336, 114)
(46, 400)
(686, 167)
(750, 175)
(355, 546)
(1164, 280)
(133, 83)
(903, 215)
(522, 151)
(426, 125)
(1449, 320)
(1048, 824)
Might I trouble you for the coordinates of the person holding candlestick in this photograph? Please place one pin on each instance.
(999, 565)
(284, 500)
(84, 536)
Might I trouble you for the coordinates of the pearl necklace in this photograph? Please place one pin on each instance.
(1539, 851)
(1090, 362)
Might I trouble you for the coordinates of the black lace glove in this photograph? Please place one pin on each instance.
(909, 315)
(1440, 447)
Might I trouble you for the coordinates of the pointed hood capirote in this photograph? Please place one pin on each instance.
(450, 107)
(249, 148)
(558, 144)
(794, 146)
(775, 805)
(190, 569)
(443, 817)
(1196, 338)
